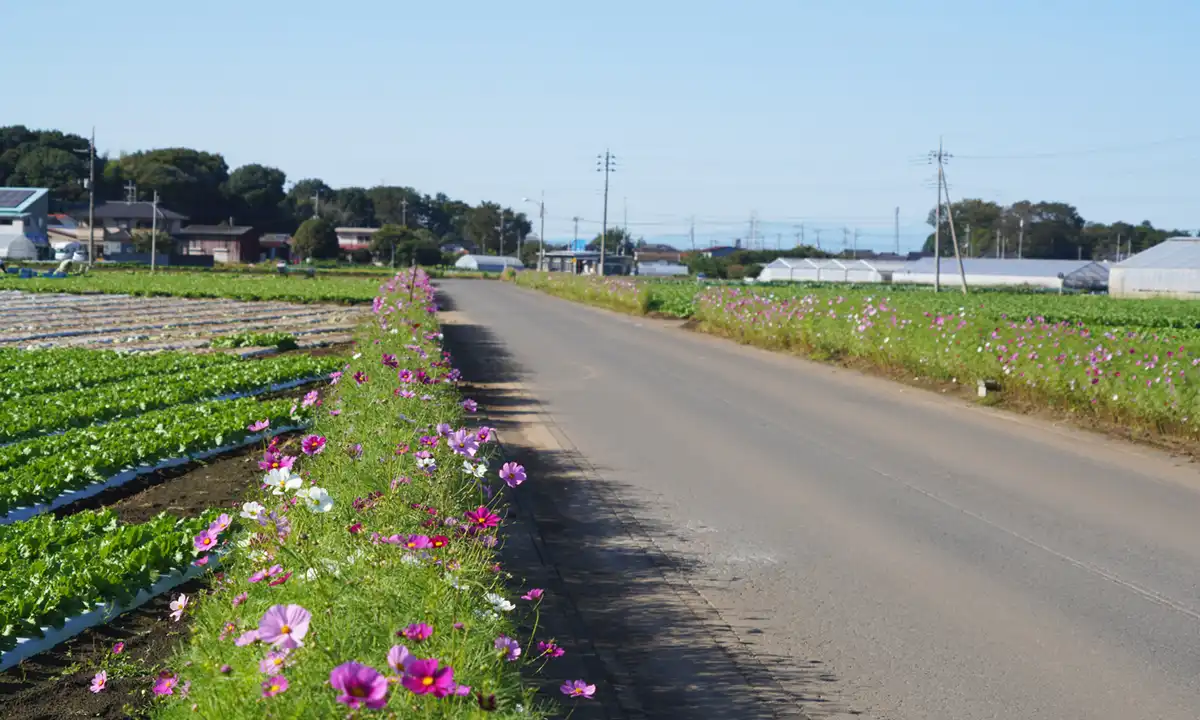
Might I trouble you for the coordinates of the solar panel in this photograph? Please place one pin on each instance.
(13, 198)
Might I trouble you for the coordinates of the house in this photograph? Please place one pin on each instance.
(354, 238)
(275, 246)
(225, 243)
(657, 255)
(130, 216)
(111, 240)
(23, 214)
(719, 251)
(584, 262)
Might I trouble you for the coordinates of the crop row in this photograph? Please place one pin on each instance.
(41, 469)
(47, 372)
(345, 290)
(53, 568)
(76, 408)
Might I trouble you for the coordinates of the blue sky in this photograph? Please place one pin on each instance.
(802, 112)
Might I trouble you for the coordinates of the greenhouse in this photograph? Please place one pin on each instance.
(1002, 272)
(488, 263)
(1169, 269)
(15, 246)
(820, 270)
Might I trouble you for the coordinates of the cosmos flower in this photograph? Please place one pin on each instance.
(577, 688)
(99, 682)
(284, 626)
(359, 685)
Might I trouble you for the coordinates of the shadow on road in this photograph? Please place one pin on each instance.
(627, 612)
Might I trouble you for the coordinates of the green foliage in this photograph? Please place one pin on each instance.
(59, 370)
(188, 181)
(53, 568)
(76, 408)
(144, 240)
(40, 469)
(316, 239)
(240, 286)
(284, 341)
(257, 197)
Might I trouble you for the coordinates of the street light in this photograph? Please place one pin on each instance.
(541, 228)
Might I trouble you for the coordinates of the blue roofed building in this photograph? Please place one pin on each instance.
(23, 214)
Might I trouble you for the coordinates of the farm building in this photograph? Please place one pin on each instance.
(488, 263)
(23, 222)
(584, 262)
(819, 270)
(1000, 272)
(661, 269)
(1169, 269)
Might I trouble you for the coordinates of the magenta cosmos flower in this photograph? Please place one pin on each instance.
(284, 626)
(165, 685)
(260, 425)
(220, 525)
(534, 594)
(577, 688)
(511, 648)
(390, 360)
(360, 377)
(405, 376)
(463, 443)
(512, 473)
(481, 517)
(118, 648)
(275, 461)
(550, 648)
(359, 685)
(418, 632)
(417, 542)
(310, 398)
(312, 445)
(275, 685)
(424, 676)
(99, 682)
(205, 541)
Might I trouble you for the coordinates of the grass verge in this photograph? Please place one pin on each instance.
(372, 569)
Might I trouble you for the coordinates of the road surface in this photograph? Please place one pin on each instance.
(859, 547)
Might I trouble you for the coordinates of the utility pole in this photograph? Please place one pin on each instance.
(778, 241)
(937, 156)
(604, 165)
(969, 240)
(404, 212)
(855, 243)
(897, 230)
(999, 243)
(500, 232)
(91, 186)
(692, 233)
(154, 234)
(941, 157)
(130, 192)
(1021, 238)
(542, 230)
(576, 219)
(316, 203)
(817, 232)
(845, 240)
(624, 224)
(801, 233)
(1119, 247)
(753, 223)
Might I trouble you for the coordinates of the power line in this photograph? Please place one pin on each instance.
(1133, 147)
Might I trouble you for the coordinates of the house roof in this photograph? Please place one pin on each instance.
(275, 240)
(1011, 267)
(18, 200)
(1175, 253)
(355, 231)
(121, 210)
(231, 231)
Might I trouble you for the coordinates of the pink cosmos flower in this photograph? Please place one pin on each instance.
(275, 461)
(310, 398)
(577, 688)
(260, 425)
(510, 648)
(405, 376)
(359, 685)
(355, 529)
(444, 429)
(360, 377)
(284, 626)
(533, 594)
(424, 676)
(225, 669)
(246, 638)
(399, 658)
(407, 394)
(118, 648)
(484, 433)
(220, 525)
(280, 580)
(470, 405)
(390, 361)
(481, 517)
(177, 607)
(99, 682)
(334, 377)
(462, 443)
(165, 685)
(437, 542)
(335, 413)
(418, 632)
(417, 542)
(204, 541)
(312, 445)
(226, 630)
(274, 661)
(273, 686)
(550, 648)
(258, 576)
(512, 474)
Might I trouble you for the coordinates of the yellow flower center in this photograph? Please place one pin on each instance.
(274, 687)
(427, 681)
(286, 629)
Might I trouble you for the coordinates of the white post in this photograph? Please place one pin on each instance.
(154, 233)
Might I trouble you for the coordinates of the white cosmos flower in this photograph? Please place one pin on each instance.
(281, 480)
(499, 602)
(475, 470)
(252, 510)
(311, 574)
(317, 499)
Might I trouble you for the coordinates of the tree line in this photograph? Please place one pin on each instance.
(201, 186)
(1051, 230)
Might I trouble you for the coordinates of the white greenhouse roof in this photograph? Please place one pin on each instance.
(473, 261)
(1009, 267)
(820, 264)
(1178, 253)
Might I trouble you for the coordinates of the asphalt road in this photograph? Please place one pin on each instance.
(876, 550)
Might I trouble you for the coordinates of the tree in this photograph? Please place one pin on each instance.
(315, 239)
(299, 203)
(144, 240)
(617, 240)
(256, 193)
(188, 181)
(350, 206)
